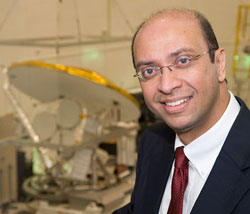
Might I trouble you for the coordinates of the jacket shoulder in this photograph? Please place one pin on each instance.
(159, 130)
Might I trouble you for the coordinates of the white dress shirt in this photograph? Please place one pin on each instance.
(202, 153)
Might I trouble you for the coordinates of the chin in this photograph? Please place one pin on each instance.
(178, 127)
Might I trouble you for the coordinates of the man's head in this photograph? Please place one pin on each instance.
(189, 93)
(205, 26)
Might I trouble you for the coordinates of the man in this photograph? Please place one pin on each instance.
(182, 74)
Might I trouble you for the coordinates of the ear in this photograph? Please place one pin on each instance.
(220, 63)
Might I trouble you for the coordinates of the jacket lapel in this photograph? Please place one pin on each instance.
(230, 176)
(159, 162)
(225, 186)
(159, 175)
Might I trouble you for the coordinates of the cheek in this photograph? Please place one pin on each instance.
(203, 80)
(210, 79)
(148, 93)
(207, 87)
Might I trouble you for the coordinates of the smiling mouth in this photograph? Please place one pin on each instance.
(178, 102)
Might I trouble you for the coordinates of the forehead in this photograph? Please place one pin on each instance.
(170, 31)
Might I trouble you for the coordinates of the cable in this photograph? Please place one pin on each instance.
(8, 14)
(78, 23)
(124, 17)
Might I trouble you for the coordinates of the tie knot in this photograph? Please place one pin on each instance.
(181, 161)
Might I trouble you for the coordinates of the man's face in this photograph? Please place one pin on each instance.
(189, 100)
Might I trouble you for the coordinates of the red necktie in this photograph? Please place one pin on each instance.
(179, 182)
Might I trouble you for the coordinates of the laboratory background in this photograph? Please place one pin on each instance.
(71, 112)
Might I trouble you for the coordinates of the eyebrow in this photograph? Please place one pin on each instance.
(144, 63)
(180, 51)
(171, 55)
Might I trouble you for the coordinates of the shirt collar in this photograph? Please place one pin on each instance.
(203, 151)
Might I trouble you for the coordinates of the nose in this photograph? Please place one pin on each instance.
(169, 67)
(168, 81)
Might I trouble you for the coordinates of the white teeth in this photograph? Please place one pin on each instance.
(178, 102)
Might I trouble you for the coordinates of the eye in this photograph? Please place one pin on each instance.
(150, 72)
(183, 61)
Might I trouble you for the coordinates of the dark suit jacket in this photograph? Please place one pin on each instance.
(227, 189)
